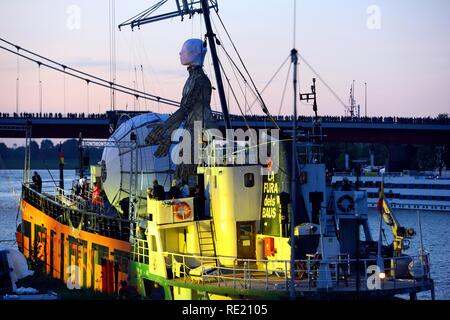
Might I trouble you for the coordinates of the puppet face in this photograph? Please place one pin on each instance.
(192, 53)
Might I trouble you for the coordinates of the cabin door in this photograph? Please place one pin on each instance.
(246, 238)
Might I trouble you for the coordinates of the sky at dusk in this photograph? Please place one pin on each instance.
(400, 48)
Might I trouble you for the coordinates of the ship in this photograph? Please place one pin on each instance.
(407, 190)
(266, 229)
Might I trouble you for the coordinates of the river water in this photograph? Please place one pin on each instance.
(435, 226)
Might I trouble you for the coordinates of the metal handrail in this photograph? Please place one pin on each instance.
(83, 219)
(249, 273)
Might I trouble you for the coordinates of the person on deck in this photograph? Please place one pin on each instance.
(127, 292)
(96, 195)
(158, 191)
(174, 191)
(184, 191)
(84, 187)
(37, 182)
(125, 207)
(199, 203)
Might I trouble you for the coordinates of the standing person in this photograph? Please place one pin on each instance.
(158, 191)
(184, 191)
(199, 203)
(174, 191)
(127, 292)
(125, 207)
(37, 182)
(77, 188)
(96, 195)
(84, 187)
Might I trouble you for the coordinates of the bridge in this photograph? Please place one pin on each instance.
(388, 130)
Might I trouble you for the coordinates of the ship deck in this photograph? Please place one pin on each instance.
(277, 286)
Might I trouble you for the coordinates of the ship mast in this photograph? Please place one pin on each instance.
(185, 7)
(212, 45)
(294, 60)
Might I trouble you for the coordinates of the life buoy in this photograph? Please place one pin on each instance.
(349, 203)
(182, 210)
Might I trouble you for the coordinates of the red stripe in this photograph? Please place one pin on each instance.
(380, 205)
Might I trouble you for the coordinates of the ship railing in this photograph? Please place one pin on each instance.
(368, 174)
(75, 201)
(171, 211)
(343, 273)
(225, 152)
(81, 220)
(63, 197)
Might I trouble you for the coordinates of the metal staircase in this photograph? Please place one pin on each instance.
(206, 240)
(330, 227)
(331, 223)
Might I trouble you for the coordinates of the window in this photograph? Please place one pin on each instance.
(249, 180)
(153, 243)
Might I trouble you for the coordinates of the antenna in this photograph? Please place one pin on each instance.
(311, 96)
(352, 110)
(365, 100)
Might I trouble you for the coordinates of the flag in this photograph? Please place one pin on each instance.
(61, 154)
(381, 199)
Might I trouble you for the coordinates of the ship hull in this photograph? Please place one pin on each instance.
(79, 258)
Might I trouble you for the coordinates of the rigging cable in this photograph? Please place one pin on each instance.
(137, 87)
(107, 83)
(143, 14)
(294, 24)
(234, 94)
(284, 89)
(143, 85)
(110, 55)
(17, 82)
(148, 65)
(245, 98)
(87, 95)
(301, 57)
(64, 92)
(232, 63)
(40, 87)
(211, 72)
(257, 94)
(272, 78)
(237, 80)
(263, 105)
(112, 50)
(322, 80)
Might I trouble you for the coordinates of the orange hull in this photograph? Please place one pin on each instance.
(79, 258)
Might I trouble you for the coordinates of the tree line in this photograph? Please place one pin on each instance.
(414, 157)
(46, 155)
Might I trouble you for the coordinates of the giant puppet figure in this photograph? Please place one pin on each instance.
(194, 106)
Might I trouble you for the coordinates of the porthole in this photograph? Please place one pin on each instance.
(249, 180)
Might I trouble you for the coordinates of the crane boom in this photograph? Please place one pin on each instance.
(399, 232)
